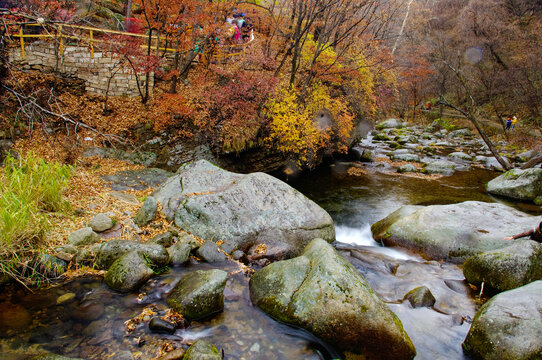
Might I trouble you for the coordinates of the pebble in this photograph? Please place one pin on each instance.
(66, 298)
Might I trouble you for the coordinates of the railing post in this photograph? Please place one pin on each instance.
(61, 45)
(21, 39)
(91, 44)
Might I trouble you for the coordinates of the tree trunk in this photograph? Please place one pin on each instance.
(173, 86)
(532, 163)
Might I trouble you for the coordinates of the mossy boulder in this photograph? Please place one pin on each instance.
(199, 294)
(507, 268)
(147, 212)
(324, 294)
(114, 249)
(508, 326)
(517, 184)
(452, 232)
(420, 297)
(242, 210)
(128, 272)
(202, 350)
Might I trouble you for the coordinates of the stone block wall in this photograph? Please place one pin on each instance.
(76, 61)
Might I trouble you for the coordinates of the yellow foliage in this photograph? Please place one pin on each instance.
(293, 129)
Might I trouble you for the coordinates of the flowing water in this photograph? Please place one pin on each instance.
(85, 319)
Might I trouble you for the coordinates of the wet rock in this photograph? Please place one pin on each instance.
(100, 223)
(160, 326)
(210, 252)
(238, 209)
(381, 137)
(390, 124)
(49, 266)
(517, 184)
(460, 156)
(324, 294)
(84, 236)
(165, 239)
(199, 294)
(507, 268)
(176, 354)
(238, 255)
(508, 326)
(114, 249)
(179, 253)
(408, 168)
(452, 232)
(399, 155)
(128, 272)
(442, 167)
(147, 212)
(420, 297)
(13, 317)
(202, 350)
(65, 298)
(88, 311)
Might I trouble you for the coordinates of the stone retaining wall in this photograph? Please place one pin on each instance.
(76, 61)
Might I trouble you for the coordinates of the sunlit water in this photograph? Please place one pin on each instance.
(92, 324)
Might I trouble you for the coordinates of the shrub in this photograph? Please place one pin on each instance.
(29, 188)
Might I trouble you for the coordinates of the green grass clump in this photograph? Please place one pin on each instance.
(29, 189)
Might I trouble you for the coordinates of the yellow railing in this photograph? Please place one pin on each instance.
(223, 51)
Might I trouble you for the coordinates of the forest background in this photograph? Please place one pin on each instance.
(316, 71)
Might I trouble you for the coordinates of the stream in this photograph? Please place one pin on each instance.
(84, 318)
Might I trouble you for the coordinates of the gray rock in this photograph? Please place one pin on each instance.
(49, 265)
(240, 210)
(324, 294)
(114, 249)
(68, 249)
(199, 294)
(147, 212)
(238, 255)
(179, 253)
(508, 326)
(420, 297)
(185, 238)
(165, 239)
(527, 155)
(84, 236)
(128, 272)
(100, 222)
(517, 184)
(407, 168)
(461, 133)
(458, 155)
(390, 124)
(442, 167)
(137, 179)
(381, 137)
(398, 155)
(452, 232)
(366, 156)
(493, 164)
(210, 252)
(507, 268)
(124, 355)
(202, 350)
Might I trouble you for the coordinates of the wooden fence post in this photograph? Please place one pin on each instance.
(21, 39)
(91, 44)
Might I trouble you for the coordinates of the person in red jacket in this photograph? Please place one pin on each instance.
(534, 234)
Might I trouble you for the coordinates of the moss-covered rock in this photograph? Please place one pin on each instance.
(324, 294)
(114, 249)
(420, 297)
(128, 272)
(509, 326)
(518, 184)
(507, 268)
(199, 294)
(202, 350)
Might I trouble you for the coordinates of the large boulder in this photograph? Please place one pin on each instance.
(242, 210)
(390, 124)
(114, 249)
(128, 272)
(507, 268)
(199, 294)
(324, 294)
(518, 184)
(509, 326)
(452, 232)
